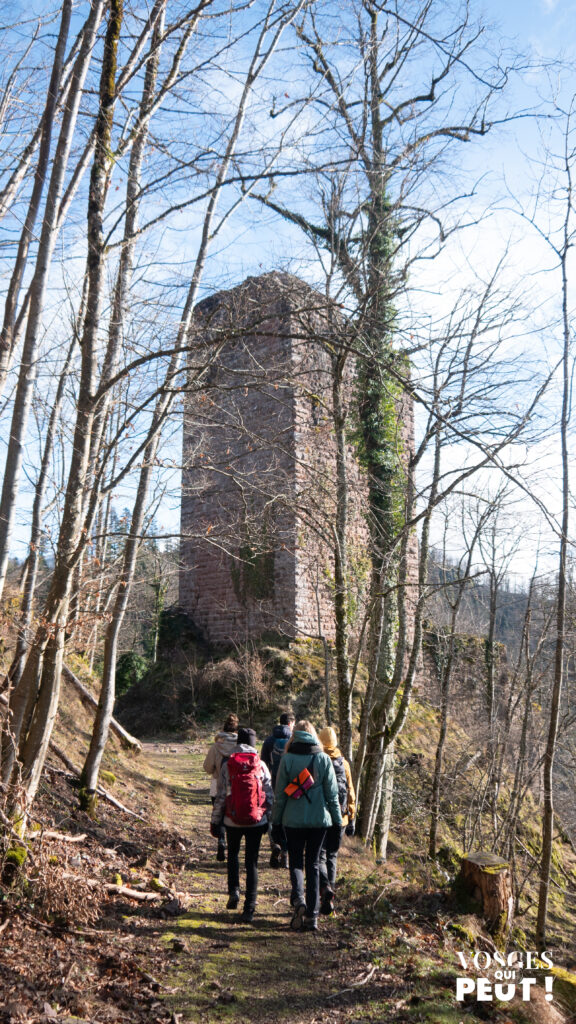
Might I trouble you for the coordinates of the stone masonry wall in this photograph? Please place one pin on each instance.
(258, 496)
(237, 575)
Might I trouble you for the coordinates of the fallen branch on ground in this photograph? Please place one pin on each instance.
(88, 699)
(116, 888)
(58, 835)
(134, 894)
(354, 985)
(84, 693)
(100, 791)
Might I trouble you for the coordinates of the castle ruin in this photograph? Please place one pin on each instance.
(258, 494)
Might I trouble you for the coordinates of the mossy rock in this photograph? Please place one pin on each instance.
(157, 885)
(462, 932)
(17, 855)
(14, 861)
(449, 857)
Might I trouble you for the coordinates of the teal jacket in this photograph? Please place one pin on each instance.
(322, 808)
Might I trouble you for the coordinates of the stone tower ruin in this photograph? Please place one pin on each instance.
(258, 493)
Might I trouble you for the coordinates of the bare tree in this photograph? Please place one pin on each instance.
(445, 642)
(35, 699)
(561, 243)
(30, 353)
(384, 134)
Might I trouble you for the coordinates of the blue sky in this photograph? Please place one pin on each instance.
(547, 26)
(542, 30)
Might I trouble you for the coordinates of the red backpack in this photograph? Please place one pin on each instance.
(246, 802)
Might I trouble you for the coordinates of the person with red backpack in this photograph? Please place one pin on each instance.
(243, 804)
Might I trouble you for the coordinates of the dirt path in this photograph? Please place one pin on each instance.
(386, 956)
(225, 970)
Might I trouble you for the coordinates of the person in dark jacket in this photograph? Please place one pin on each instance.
(305, 819)
(252, 834)
(275, 744)
(272, 752)
(329, 855)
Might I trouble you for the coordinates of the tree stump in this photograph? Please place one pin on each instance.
(488, 880)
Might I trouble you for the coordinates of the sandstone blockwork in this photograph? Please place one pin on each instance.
(258, 494)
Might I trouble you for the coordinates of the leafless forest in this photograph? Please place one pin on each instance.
(400, 159)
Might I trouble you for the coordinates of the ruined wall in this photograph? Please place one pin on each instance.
(237, 575)
(258, 499)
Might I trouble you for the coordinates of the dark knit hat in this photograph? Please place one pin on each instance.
(247, 736)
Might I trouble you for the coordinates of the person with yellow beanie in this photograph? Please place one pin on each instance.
(347, 800)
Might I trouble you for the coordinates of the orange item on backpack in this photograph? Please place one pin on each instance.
(297, 788)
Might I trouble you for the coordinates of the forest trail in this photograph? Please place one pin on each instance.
(387, 955)
(162, 949)
(225, 970)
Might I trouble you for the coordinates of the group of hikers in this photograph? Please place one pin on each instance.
(300, 791)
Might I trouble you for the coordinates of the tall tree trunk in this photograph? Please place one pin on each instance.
(13, 292)
(32, 562)
(560, 643)
(341, 581)
(101, 727)
(106, 702)
(41, 676)
(30, 352)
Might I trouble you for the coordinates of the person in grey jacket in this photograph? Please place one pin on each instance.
(306, 819)
(252, 834)
(224, 743)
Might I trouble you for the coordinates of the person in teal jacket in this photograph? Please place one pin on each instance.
(305, 819)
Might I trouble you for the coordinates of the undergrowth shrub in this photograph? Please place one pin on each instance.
(59, 893)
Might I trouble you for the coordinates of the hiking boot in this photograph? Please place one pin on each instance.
(247, 915)
(221, 851)
(309, 924)
(327, 902)
(298, 917)
(233, 900)
(276, 857)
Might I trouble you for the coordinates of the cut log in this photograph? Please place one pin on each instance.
(90, 701)
(488, 880)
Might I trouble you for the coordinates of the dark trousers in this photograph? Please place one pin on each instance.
(279, 838)
(253, 836)
(329, 857)
(304, 846)
(221, 829)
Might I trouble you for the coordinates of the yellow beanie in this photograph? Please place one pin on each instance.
(328, 738)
